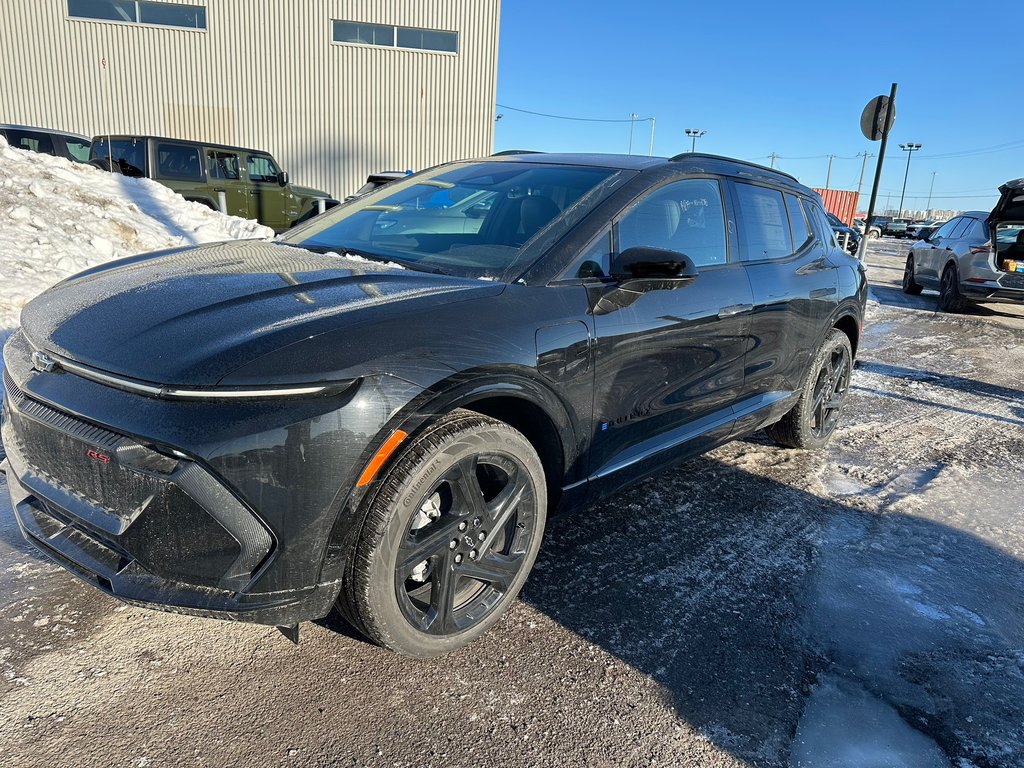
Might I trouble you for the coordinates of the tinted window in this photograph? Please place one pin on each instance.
(367, 34)
(78, 149)
(110, 10)
(428, 39)
(173, 15)
(798, 222)
(764, 225)
(685, 216)
(824, 226)
(262, 168)
(961, 228)
(129, 155)
(176, 161)
(946, 228)
(223, 165)
(33, 141)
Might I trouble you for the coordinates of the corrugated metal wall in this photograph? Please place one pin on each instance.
(265, 74)
(840, 203)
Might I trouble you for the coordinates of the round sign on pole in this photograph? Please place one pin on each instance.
(877, 118)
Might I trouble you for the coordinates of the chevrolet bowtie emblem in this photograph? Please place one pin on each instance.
(42, 362)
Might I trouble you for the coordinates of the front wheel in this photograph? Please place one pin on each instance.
(910, 285)
(449, 538)
(813, 419)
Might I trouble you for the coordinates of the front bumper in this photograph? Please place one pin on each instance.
(149, 527)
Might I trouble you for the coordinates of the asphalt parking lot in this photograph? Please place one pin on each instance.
(756, 606)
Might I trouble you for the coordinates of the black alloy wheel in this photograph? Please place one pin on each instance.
(449, 538)
(813, 420)
(910, 286)
(950, 298)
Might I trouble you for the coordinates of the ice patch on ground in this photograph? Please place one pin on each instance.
(844, 726)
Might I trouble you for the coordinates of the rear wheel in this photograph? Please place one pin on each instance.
(813, 419)
(910, 285)
(950, 298)
(449, 538)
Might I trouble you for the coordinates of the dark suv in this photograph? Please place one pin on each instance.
(234, 180)
(380, 417)
(47, 141)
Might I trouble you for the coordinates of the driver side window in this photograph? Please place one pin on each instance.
(685, 216)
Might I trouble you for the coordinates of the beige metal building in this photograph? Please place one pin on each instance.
(335, 89)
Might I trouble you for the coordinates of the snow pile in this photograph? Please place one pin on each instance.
(58, 218)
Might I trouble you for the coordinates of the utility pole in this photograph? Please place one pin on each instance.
(774, 157)
(828, 176)
(863, 167)
(910, 149)
(928, 207)
(632, 122)
(694, 133)
(651, 152)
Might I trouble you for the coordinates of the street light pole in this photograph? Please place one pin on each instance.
(632, 122)
(860, 183)
(828, 176)
(910, 149)
(694, 134)
(931, 187)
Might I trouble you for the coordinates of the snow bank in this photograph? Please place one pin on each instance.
(59, 217)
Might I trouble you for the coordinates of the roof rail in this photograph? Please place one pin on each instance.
(692, 155)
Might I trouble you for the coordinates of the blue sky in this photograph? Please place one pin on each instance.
(785, 77)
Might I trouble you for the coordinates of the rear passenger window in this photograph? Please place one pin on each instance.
(30, 140)
(223, 165)
(764, 225)
(961, 229)
(176, 161)
(685, 216)
(798, 222)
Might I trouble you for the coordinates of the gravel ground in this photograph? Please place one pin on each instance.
(860, 606)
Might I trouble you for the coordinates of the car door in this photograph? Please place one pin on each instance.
(786, 244)
(225, 174)
(929, 257)
(669, 362)
(268, 199)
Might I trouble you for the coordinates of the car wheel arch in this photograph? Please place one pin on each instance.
(848, 324)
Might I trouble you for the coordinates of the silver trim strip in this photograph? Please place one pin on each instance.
(179, 393)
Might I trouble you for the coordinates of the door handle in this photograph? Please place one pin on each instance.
(735, 309)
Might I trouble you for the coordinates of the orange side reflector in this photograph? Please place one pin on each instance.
(380, 457)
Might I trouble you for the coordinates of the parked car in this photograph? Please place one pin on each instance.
(235, 180)
(847, 236)
(895, 228)
(861, 226)
(974, 257)
(384, 421)
(47, 141)
(921, 230)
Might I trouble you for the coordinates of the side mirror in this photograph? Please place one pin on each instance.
(643, 263)
(282, 178)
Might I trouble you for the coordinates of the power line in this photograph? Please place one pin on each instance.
(577, 119)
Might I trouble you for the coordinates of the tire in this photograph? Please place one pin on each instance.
(449, 538)
(812, 421)
(950, 298)
(910, 286)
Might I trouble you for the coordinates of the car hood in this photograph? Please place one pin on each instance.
(310, 192)
(191, 316)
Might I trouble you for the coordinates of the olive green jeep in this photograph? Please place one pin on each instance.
(237, 181)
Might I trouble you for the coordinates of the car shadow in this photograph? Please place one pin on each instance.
(741, 595)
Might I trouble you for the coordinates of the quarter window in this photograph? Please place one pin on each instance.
(140, 12)
(262, 168)
(30, 140)
(686, 217)
(798, 222)
(764, 225)
(177, 161)
(392, 36)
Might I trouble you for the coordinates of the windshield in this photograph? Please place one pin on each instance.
(468, 219)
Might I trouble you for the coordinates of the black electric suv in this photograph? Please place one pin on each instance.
(378, 410)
